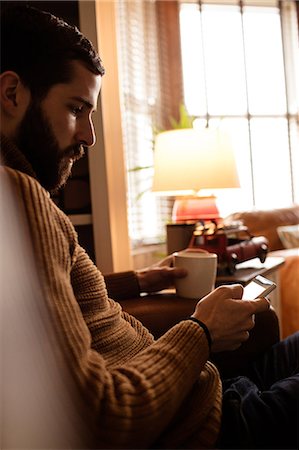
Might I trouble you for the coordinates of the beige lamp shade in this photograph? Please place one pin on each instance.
(188, 160)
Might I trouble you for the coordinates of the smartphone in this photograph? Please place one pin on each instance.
(258, 287)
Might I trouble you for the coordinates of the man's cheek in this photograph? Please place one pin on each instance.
(63, 132)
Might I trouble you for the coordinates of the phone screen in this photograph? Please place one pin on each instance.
(259, 287)
(253, 290)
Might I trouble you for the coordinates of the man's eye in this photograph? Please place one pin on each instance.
(76, 110)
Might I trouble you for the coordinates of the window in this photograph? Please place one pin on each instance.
(239, 70)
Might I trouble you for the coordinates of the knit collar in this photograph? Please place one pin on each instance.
(12, 157)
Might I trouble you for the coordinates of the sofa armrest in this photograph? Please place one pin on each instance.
(159, 312)
(289, 290)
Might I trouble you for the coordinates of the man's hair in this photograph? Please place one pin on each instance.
(40, 47)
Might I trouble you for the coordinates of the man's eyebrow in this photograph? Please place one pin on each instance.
(86, 102)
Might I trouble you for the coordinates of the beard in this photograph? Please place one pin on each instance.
(51, 164)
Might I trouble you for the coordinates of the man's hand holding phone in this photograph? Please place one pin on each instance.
(228, 317)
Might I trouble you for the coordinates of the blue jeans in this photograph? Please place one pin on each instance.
(261, 408)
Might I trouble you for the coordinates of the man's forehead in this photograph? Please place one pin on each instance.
(84, 86)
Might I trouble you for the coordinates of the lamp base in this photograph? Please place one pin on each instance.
(195, 209)
(179, 236)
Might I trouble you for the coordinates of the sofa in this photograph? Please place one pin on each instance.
(275, 225)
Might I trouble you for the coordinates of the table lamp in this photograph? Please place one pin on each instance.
(186, 161)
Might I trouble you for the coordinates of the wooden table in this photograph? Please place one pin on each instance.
(248, 270)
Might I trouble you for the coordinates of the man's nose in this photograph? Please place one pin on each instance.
(86, 134)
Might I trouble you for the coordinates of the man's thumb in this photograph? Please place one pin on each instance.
(260, 304)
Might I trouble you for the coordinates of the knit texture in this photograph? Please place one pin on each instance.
(134, 392)
(122, 285)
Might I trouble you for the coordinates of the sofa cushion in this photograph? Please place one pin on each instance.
(265, 223)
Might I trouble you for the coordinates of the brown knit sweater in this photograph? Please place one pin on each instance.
(133, 392)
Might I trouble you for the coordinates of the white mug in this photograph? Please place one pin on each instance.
(201, 277)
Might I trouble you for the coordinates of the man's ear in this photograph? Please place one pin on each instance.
(14, 96)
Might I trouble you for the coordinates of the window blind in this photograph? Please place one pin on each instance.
(140, 106)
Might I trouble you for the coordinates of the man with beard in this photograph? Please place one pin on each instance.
(52, 165)
(118, 387)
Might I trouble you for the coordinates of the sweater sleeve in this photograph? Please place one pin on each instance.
(114, 333)
(122, 285)
(129, 388)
